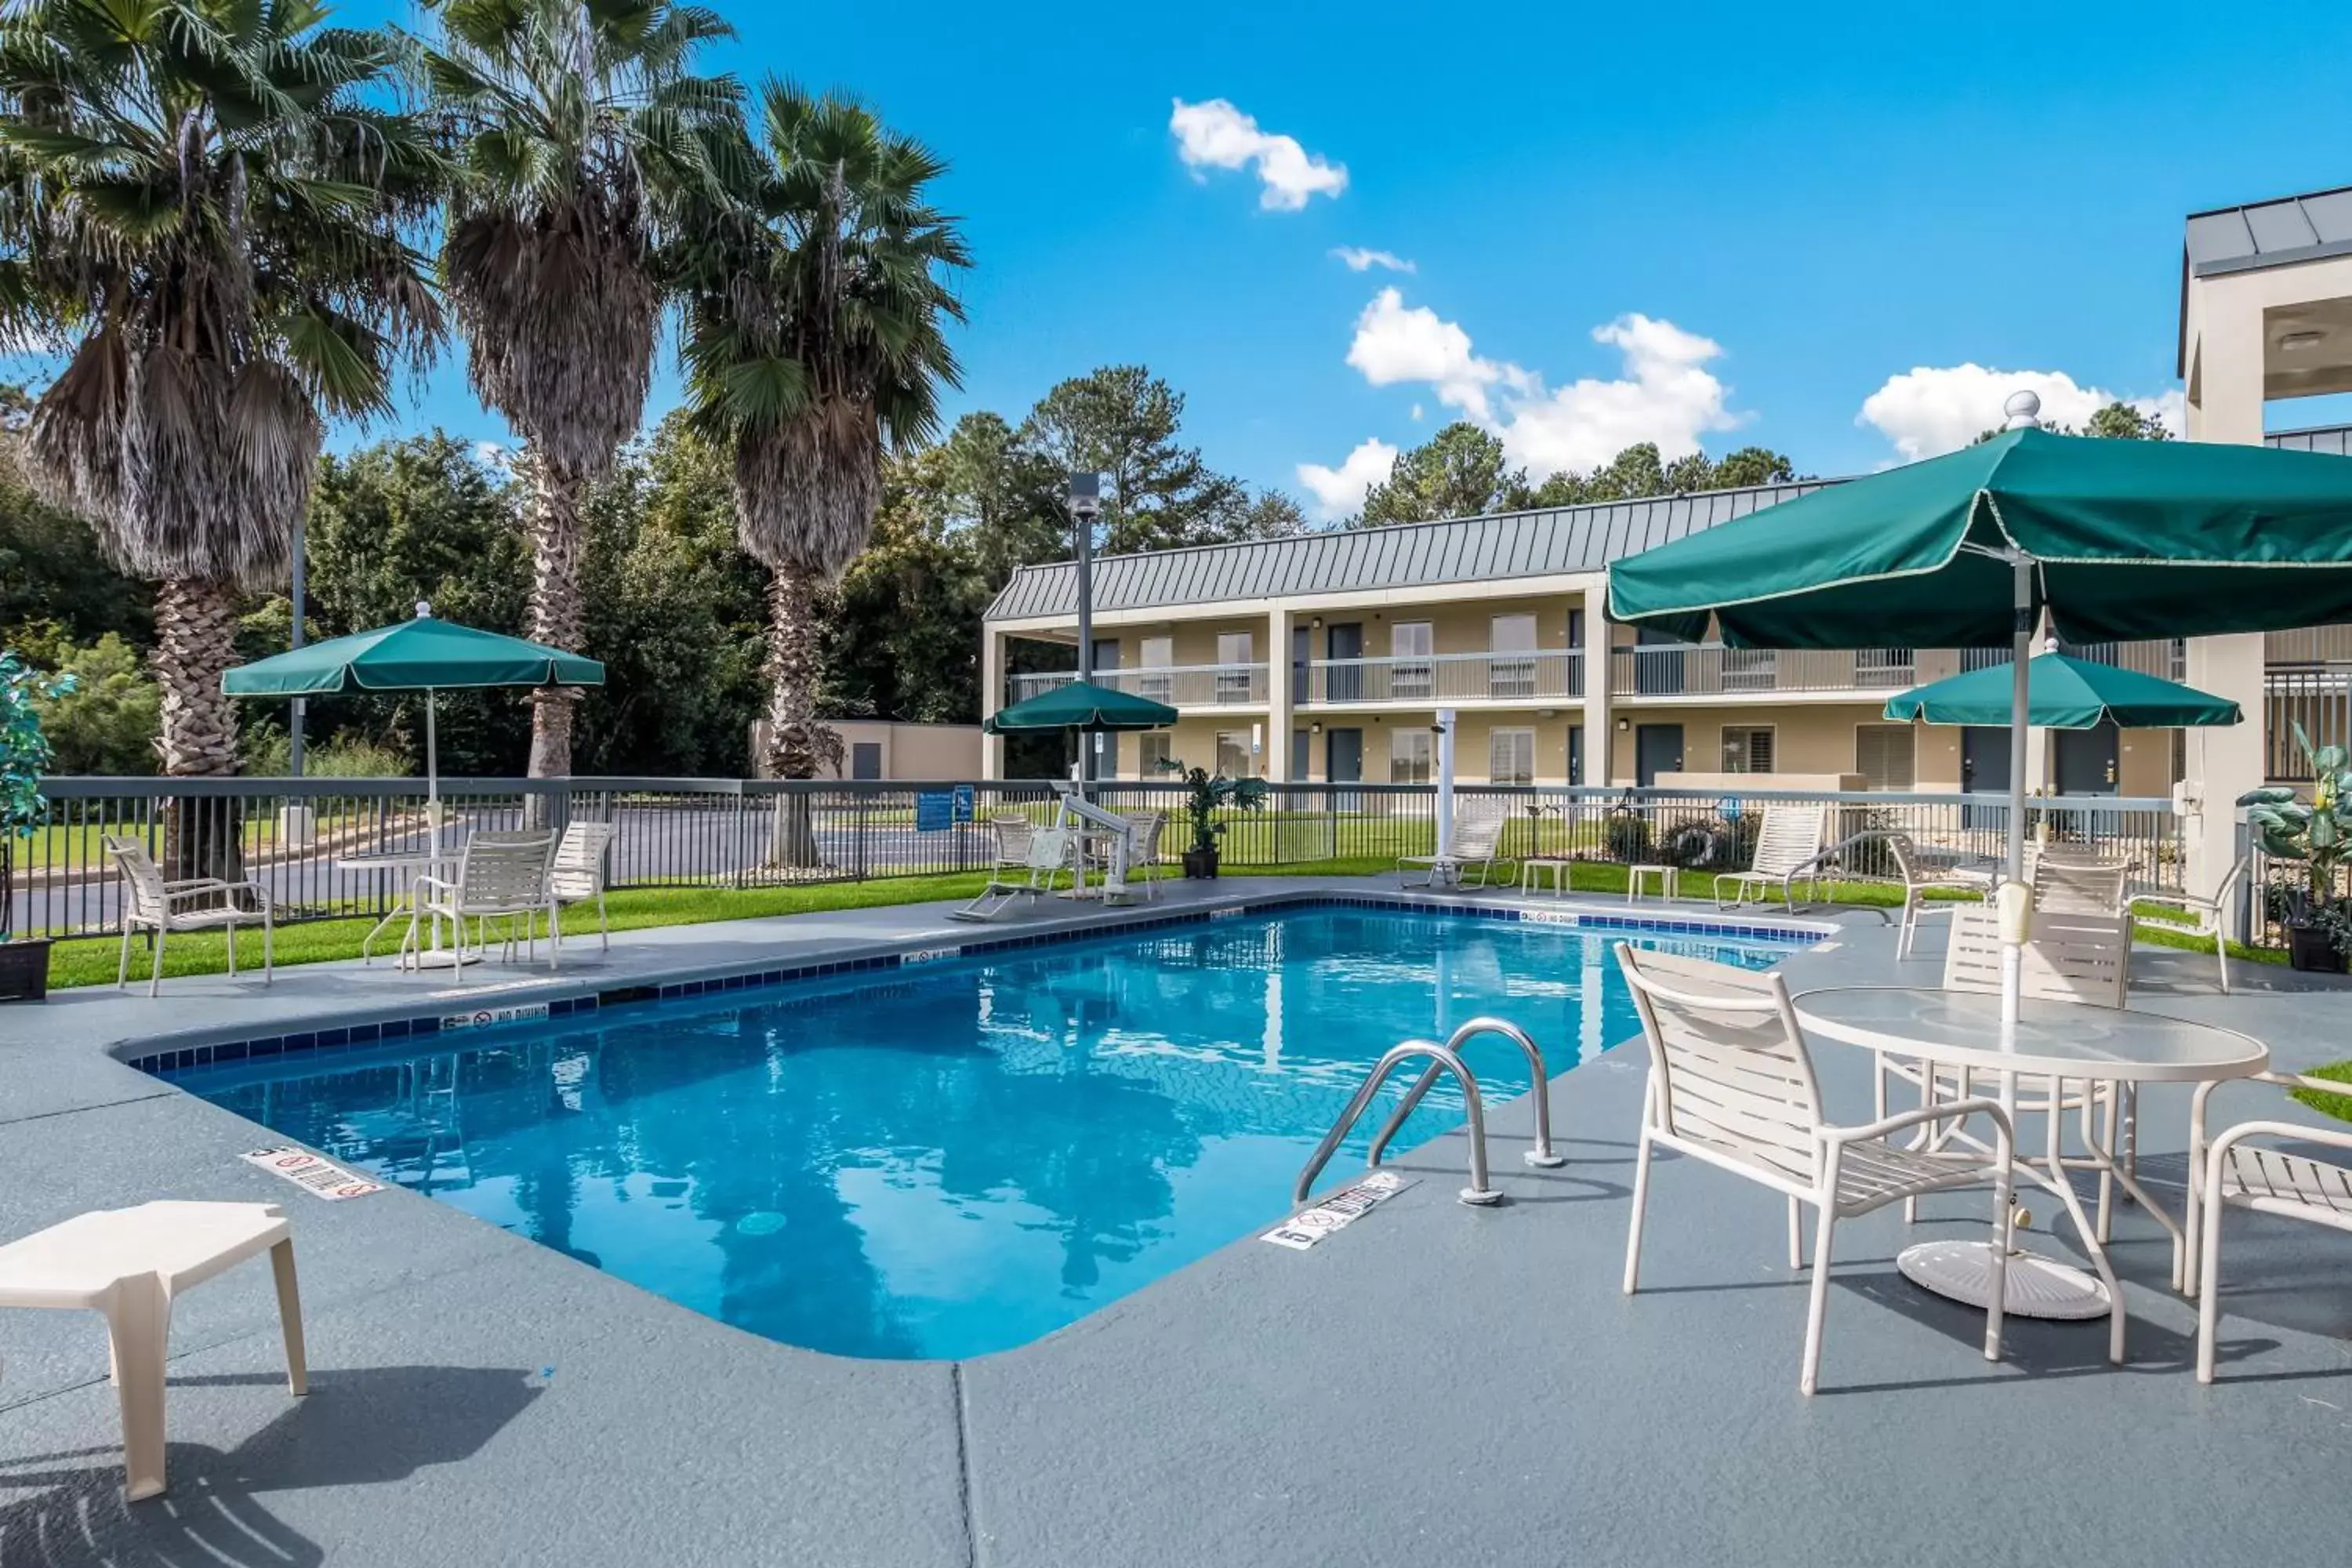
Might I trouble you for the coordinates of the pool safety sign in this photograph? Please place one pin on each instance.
(483, 1018)
(1337, 1212)
(320, 1177)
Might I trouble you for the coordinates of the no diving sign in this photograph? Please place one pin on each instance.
(1337, 1212)
(321, 1178)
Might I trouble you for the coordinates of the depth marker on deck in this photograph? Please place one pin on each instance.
(320, 1177)
(1337, 1212)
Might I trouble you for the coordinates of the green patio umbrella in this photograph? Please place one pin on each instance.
(1083, 706)
(421, 654)
(2064, 693)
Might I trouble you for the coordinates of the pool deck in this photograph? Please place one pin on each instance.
(1436, 1385)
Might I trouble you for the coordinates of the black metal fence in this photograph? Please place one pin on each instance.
(309, 842)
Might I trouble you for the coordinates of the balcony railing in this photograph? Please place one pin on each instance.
(1178, 685)
(1530, 677)
(1711, 669)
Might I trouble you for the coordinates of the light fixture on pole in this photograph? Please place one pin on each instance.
(1086, 506)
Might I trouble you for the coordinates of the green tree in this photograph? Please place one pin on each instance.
(50, 567)
(2115, 421)
(105, 721)
(581, 131)
(903, 641)
(1125, 422)
(1639, 471)
(1004, 495)
(203, 210)
(1461, 471)
(816, 336)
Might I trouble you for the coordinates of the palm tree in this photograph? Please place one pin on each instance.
(204, 211)
(580, 127)
(814, 336)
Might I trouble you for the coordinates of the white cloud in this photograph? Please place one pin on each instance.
(1341, 490)
(1216, 135)
(493, 455)
(1664, 395)
(1930, 410)
(1360, 259)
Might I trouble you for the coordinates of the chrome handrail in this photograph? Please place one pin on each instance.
(1541, 1156)
(1441, 1058)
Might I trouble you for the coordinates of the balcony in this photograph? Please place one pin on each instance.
(1181, 685)
(1684, 671)
(1444, 679)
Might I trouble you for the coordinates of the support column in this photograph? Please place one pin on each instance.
(1596, 671)
(2224, 764)
(992, 698)
(1278, 695)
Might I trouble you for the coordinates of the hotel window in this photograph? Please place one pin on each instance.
(1747, 749)
(1886, 756)
(1511, 677)
(1409, 647)
(1151, 749)
(1156, 654)
(1410, 754)
(1233, 754)
(1511, 756)
(1233, 672)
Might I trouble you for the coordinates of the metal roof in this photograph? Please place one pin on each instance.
(1404, 555)
(2256, 235)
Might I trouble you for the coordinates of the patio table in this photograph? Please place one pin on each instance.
(2060, 1041)
(409, 864)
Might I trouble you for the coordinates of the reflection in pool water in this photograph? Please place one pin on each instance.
(955, 1158)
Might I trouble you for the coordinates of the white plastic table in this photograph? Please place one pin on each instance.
(409, 864)
(2060, 1041)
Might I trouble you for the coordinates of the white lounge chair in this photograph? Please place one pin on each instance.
(131, 1264)
(1045, 853)
(501, 876)
(2232, 1170)
(1788, 845)
(1476, 835)
(2211, 917)
(191, 903)
(1732, 1084)
(578, 871)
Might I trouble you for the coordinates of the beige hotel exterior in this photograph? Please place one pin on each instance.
(1325, 658)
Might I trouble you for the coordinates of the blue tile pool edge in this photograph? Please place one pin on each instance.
(329, 1037)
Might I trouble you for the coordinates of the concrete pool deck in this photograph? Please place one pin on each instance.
(1437, 1385)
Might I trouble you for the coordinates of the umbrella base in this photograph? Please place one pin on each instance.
(2038, 1286)
(439, 958)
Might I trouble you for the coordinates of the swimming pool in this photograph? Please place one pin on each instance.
(952, 1157)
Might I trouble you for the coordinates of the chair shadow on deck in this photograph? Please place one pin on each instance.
(364, 1426)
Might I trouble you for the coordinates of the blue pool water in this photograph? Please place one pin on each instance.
(957, 1157)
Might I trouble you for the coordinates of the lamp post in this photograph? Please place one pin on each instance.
(1086, 506)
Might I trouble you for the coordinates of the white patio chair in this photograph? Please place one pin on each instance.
(2206, 917)
(2082, 957)
(578, 871)
(2069, 880)
(1732, 1084)
(130, 1264)
(1477, 833)
(2233, 1172)
(501, 876)
(1788, 845)
(1143, 851)
(159, 908)
(1045, 854)
(1918, 876)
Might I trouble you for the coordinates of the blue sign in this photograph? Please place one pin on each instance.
(967, 801)
(934, 811)
(1728, 809)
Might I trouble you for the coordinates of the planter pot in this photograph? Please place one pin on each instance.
(2309, 950)
(1199, 865)
(25, 970)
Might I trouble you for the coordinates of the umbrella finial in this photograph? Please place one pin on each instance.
(2024, 411)
(423, 609)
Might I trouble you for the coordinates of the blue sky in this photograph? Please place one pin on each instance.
(1826, 197)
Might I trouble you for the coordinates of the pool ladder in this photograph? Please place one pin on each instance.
(1441, 1060)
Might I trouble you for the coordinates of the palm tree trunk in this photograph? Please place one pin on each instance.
(799, 747)
(195, 625)
(556, 617)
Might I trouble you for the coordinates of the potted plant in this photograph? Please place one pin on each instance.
(1204, 794)
(23, 753)
(2319, 835)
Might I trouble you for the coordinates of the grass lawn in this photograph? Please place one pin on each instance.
(2339, 1106)
(90, 961)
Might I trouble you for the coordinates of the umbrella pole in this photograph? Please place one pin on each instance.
(2020, 703)
(432, 779)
